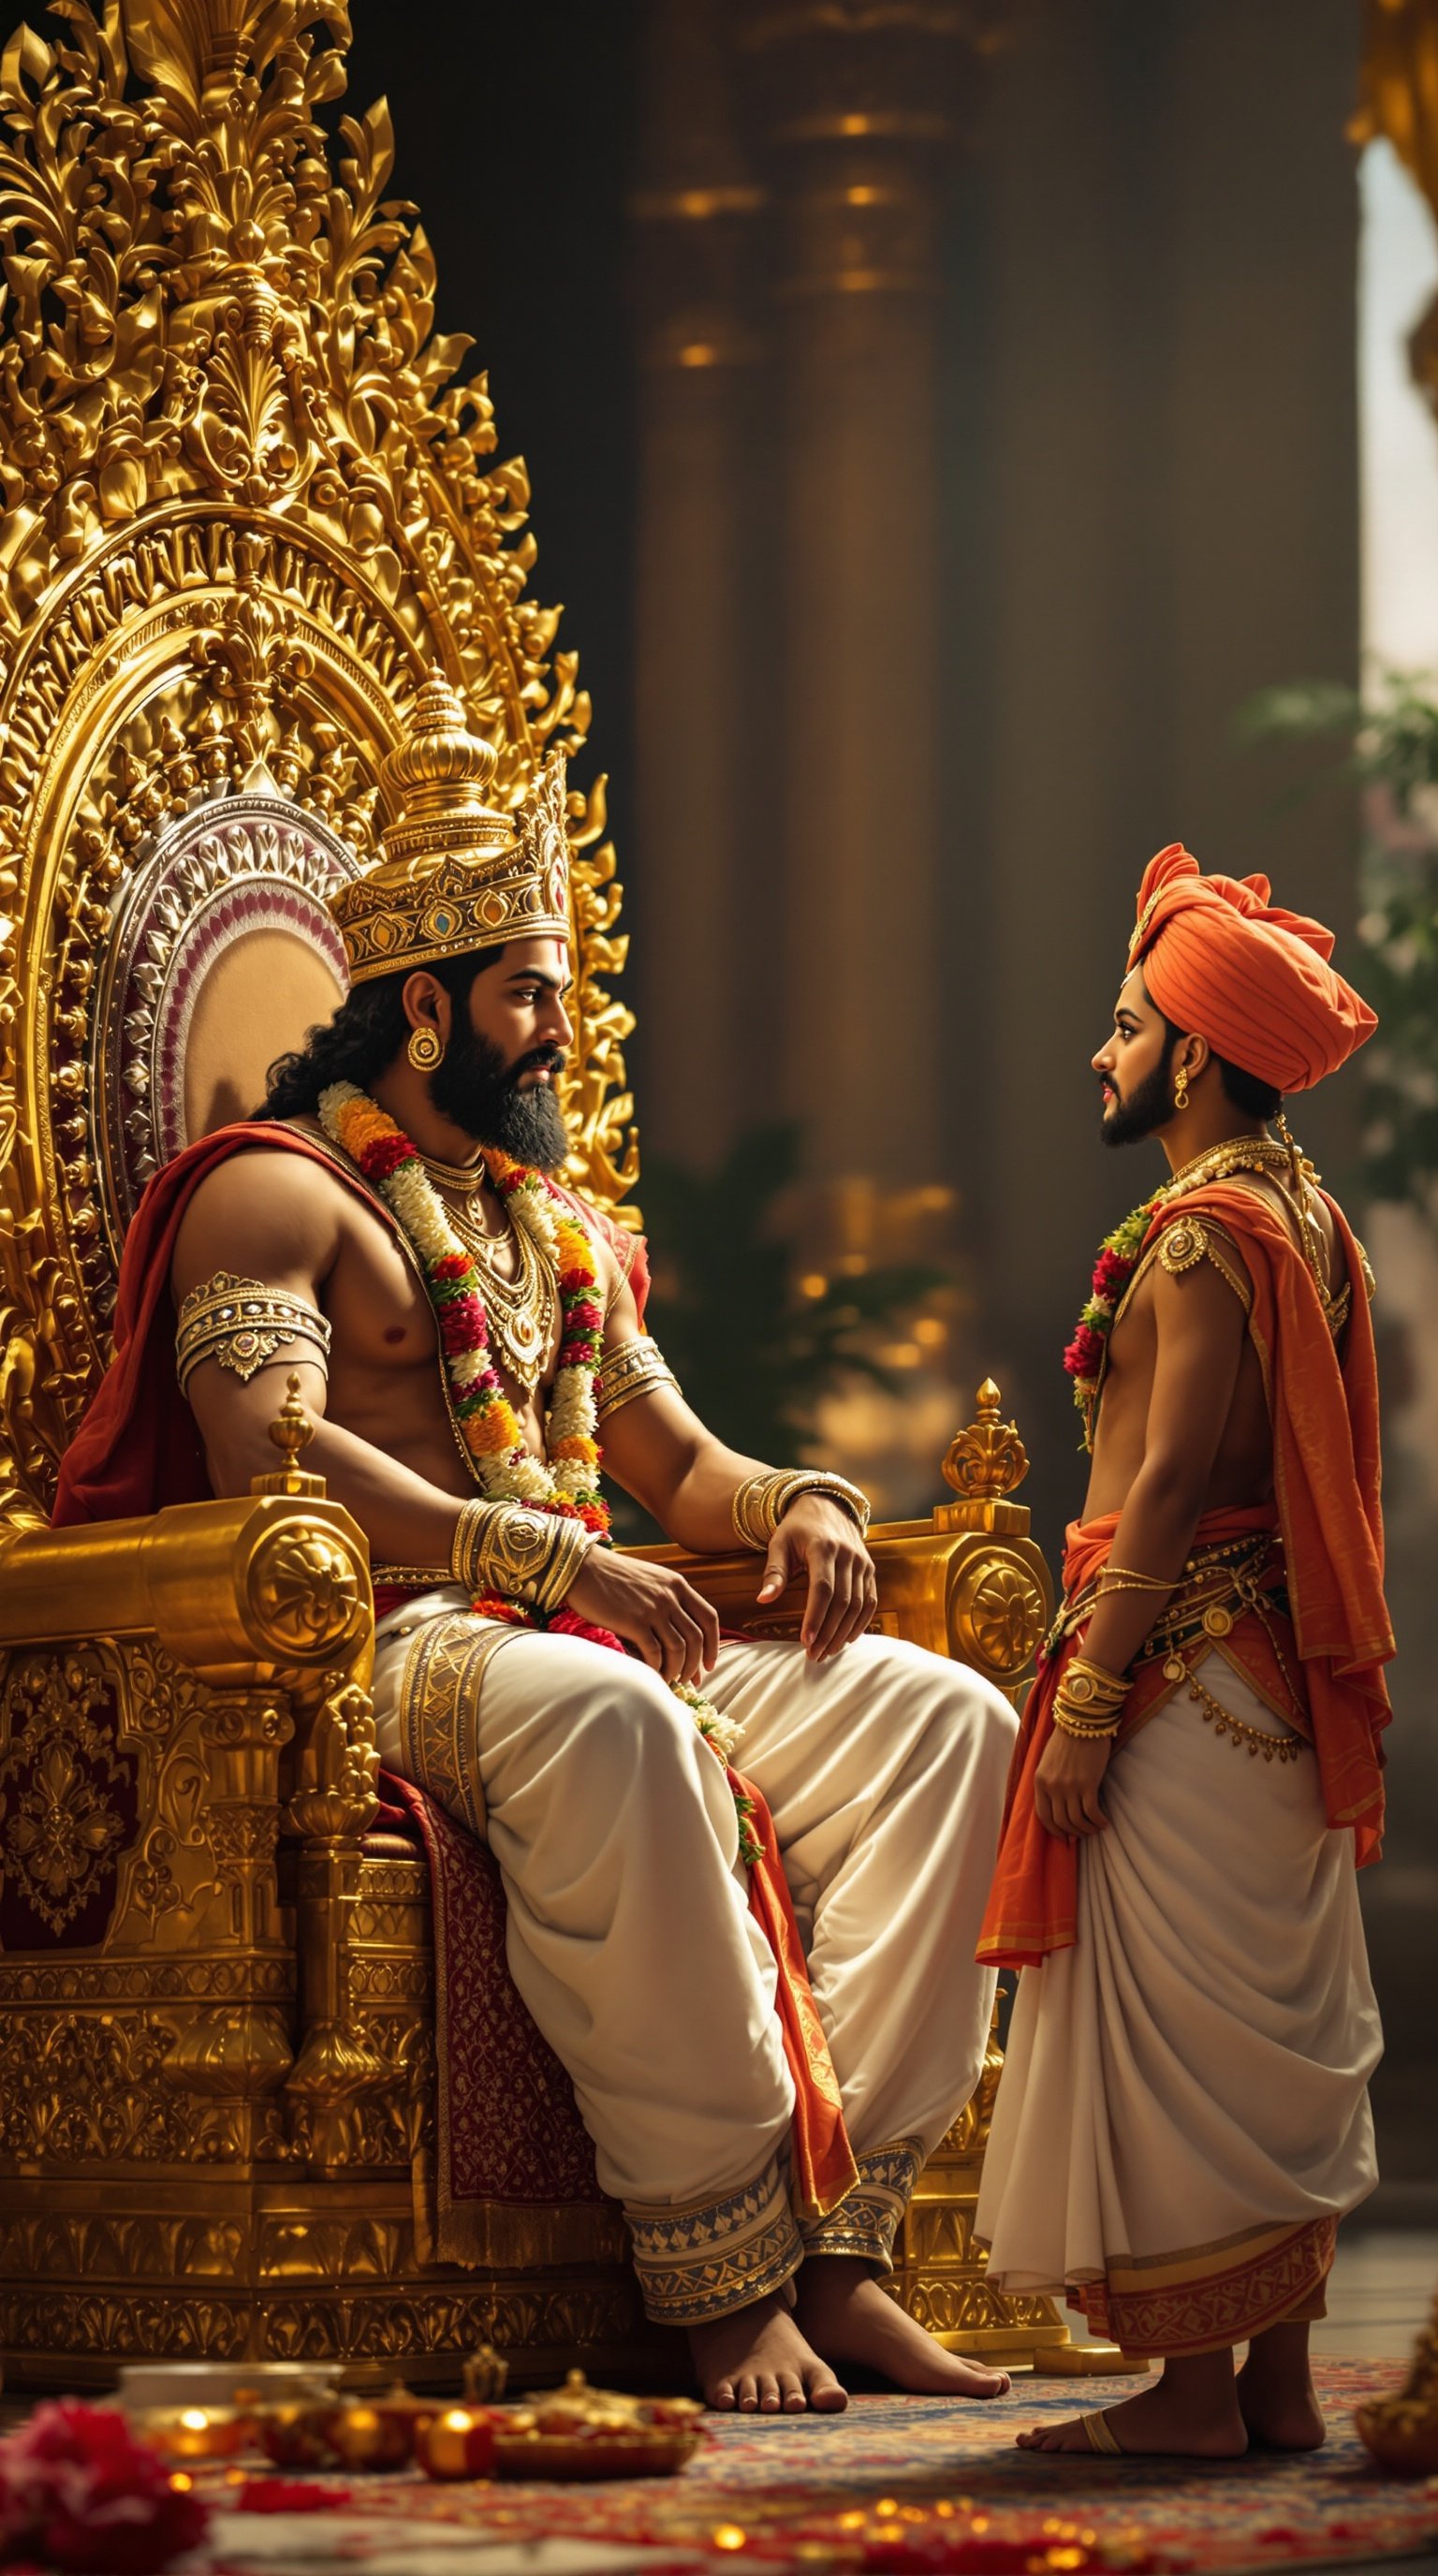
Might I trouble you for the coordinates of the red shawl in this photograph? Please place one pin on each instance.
(138, 1450)
(1327, 1510)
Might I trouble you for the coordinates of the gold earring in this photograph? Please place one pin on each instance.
(1180, 1087)
(425, 1049)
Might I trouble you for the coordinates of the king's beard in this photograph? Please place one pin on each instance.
(1149, 1106)
(479, 1093)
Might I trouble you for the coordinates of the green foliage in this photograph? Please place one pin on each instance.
(755, 1356)
(1390, 740)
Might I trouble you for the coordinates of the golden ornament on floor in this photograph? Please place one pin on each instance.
(1402, 2431)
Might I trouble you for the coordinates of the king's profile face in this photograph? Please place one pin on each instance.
(517, 1006)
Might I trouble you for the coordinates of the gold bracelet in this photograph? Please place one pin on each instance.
(507, 1549)
(571, 1545)
(761, 1501)
(1084, 1731)
(1123, 1578)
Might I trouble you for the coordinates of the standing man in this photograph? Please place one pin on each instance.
(1183, 2116)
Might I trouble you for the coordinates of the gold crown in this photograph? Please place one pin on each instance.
(456, 875)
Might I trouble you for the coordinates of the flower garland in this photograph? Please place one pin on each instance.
(1114, 1268)
(505, 1468)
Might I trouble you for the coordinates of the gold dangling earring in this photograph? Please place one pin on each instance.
(425, 1049)
(1180, 1087)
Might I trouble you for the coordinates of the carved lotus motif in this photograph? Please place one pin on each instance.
(1001, 1615)
(307, 1590)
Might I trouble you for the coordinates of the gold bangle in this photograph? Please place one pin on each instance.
(507, 1549)
(1091, 1687)
(1086, 1731)
(761, 1501)
(570, 1548)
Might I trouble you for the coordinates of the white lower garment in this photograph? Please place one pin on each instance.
(1183, 2111)
(629, 1931)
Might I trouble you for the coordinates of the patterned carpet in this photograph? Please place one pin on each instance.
(896, 2483)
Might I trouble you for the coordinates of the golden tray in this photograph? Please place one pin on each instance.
(644, 2453)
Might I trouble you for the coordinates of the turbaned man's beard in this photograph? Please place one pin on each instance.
(476, 1090)
(1150, 1105)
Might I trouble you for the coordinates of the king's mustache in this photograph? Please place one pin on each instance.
(540, 1059)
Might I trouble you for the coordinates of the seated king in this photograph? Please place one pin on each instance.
(762, 1983)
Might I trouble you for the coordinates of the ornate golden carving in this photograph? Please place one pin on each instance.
(335, 1797)
(988, 1461)
(309, 1591)
(245, 507)
(60, 1776)
(998, 1615)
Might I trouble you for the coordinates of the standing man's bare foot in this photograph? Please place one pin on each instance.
(1276, 2394)
(757, 2362)
(847, 2317)
(1191, 2413)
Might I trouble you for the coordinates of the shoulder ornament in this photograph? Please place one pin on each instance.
(1183, 1245)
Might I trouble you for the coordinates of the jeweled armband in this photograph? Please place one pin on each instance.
(242, 1324)
(633, 1370)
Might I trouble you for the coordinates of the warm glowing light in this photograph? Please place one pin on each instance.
(728, 2535)
(901, 1355)
(457, 2420)
(698, 353)
(813, 1284)
(195, 2420)
(181, 2481)
(931, 1332)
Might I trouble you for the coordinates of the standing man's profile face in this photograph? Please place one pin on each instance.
(1134, 1069)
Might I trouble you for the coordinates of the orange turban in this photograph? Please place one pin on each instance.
(1223, 962)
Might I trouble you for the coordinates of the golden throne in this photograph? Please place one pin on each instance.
(245, 507)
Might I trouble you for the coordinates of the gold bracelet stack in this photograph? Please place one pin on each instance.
(243, 1324)
(1089, 1701)
(516, 1554)
(762, 1500)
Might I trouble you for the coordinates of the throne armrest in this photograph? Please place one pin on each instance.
(968, 1582)
(268, 1588)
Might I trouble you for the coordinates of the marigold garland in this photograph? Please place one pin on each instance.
(1114, 1268)
(566, 1482)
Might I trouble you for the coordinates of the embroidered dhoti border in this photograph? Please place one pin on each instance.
(1183, 2113)
(630, 1937)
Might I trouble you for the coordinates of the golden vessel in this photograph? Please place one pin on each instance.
(247, 505)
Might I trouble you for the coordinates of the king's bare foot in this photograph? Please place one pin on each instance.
(847, 2317)
(1178, 2420)
(757, 2362)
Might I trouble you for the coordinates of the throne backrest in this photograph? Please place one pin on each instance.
(245, 508)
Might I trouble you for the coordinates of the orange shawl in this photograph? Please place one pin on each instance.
(1326, 1508)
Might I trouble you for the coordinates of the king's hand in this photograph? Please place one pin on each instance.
(818, 1537)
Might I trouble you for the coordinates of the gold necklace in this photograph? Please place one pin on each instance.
(522, 1311)
(1235, 1154)
(466, 1180)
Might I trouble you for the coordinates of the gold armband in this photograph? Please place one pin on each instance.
(761, 1502)
(242, 1324)
(517, 1554)
(635, 1369)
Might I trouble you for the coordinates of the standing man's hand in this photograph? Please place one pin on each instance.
(818, 1537)
(1067, 1784)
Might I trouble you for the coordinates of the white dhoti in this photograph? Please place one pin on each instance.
(1183, 2113)
(630, 1936)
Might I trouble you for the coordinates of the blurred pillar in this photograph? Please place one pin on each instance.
(694, 213)
(860, 108)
